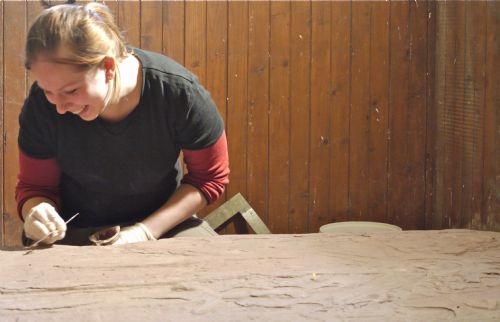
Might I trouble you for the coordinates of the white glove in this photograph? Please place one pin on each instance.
(42, 221)
(134, 234)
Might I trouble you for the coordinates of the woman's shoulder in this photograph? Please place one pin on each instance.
(164, 68)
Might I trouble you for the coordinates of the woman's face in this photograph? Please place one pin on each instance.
(70, 89)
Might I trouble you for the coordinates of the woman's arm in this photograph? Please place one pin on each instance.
(186, 201)
(38, 182)
(208, 173)
(37, 196)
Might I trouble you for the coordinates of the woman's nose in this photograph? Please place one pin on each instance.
(61, 108)
(59, 102)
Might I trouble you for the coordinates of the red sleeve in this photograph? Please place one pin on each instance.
(37, 178)
(208, 169)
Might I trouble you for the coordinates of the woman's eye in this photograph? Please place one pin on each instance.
(73, 91)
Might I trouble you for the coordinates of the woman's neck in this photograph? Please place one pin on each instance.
(130, 90)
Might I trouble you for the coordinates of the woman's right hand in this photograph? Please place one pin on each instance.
(42, 221)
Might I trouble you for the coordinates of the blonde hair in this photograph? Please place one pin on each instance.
(88, 31)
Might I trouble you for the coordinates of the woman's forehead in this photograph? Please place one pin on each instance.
(53, 76)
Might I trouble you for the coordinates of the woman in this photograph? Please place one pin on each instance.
(101, 132)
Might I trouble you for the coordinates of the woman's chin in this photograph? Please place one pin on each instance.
(87, 114)
(88, 118)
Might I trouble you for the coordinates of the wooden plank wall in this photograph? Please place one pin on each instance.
(468, 116)
(14, 80)
(2, 207)
(334, 110)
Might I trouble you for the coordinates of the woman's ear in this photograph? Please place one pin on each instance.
(109, 64)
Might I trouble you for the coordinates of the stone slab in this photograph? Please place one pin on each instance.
(388, 276)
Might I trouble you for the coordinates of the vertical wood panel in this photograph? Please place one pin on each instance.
(438, 200)
(216, 80)
(459, 93)
(173, 30)
(475, 38)
(341, 93)
(2, 129)
(360, 133)
(151, 34)
(467, 131)
(491, 176)
(15, 85)
(464, 115)
(378, 113)
(258, 107)
(299, 114)
(453, 116)
(416, 116)
(432, 106)
(237, 121)
(279, 117)
(399, 166)
(129, 21)
(196, 38)
(320, 116)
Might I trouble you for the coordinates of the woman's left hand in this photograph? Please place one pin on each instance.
(134, 234)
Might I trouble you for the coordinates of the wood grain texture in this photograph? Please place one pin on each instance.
(319, 182)
(440, 84)
(446, 126)
(300, 115)
(466, 117)
(279, 117)
(457, 93)
(151, 34)
(416, 116)
(400, 167)
(14, 87)
(360, 130)
(391, 276)
(174, 30)
(432, 115)
(340, 205)
(129, 19)
(237, 108)
(196, 38)
(2, 129)
(408, 115)
(258, 142)
(452, 127)
(475, 71)
(491, 176)
(378, 116)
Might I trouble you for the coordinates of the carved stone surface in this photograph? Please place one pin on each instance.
(396, 276)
